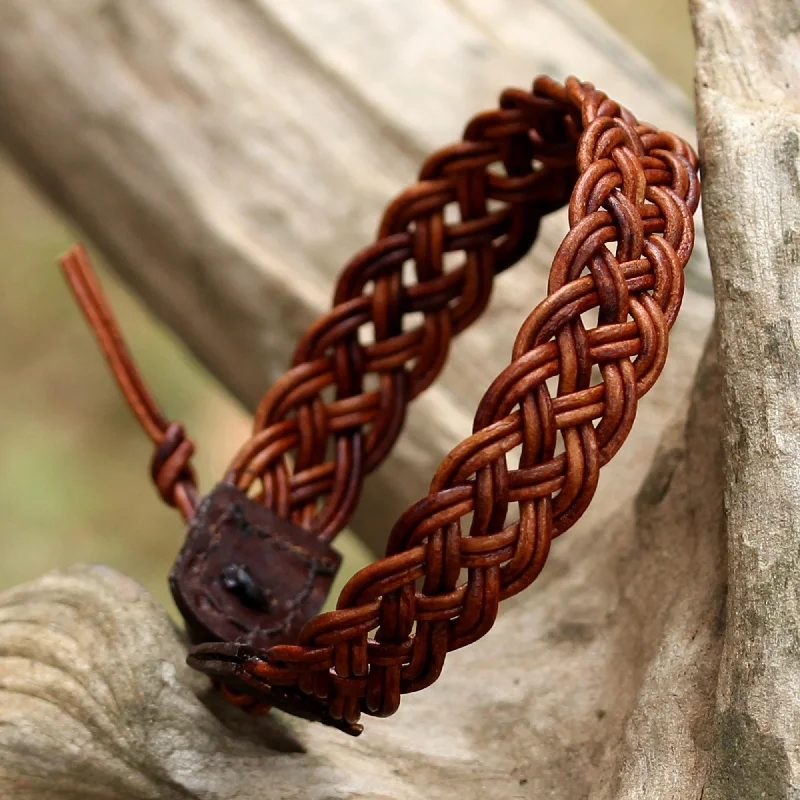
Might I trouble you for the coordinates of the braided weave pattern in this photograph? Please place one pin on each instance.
(310, 455)
(632, 192)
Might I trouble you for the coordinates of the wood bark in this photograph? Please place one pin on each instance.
(748, 84)
(227, 158)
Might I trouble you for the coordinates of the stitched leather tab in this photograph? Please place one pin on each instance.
(247, 575)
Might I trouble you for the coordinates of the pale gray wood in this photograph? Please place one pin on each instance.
(608, 694)
(228, 158)
(205, 147)
(749, 121)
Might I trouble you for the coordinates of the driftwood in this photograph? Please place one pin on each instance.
(216, 188)
(748, 83)
(609, 694)
(223, 155)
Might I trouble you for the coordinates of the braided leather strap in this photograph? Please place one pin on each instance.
(631, 235)
(600, 338)
(340, 408)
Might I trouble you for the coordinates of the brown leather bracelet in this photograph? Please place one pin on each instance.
(257, 562)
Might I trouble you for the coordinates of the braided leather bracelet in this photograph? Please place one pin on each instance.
(257, 564)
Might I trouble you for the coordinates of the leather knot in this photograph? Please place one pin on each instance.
(170, 468)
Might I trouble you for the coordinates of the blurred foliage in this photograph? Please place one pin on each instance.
(74, 483)
(73, 463)
(660, 28)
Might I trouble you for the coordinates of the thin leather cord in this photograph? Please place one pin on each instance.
(170, 467)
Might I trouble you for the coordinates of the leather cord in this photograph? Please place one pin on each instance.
(550, 420)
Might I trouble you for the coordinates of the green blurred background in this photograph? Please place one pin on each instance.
(74, 481)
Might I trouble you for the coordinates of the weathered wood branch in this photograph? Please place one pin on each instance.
(216, 189)
(748, 85)
(609, 694)
(228, 158)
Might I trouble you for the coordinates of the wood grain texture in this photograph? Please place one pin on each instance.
(609, 694)
(749, 123)
(229, 157)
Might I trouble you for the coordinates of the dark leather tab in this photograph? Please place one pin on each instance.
(247, 575)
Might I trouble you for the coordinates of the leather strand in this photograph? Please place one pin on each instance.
(170, 467)
(551, 419)
(632, 191)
